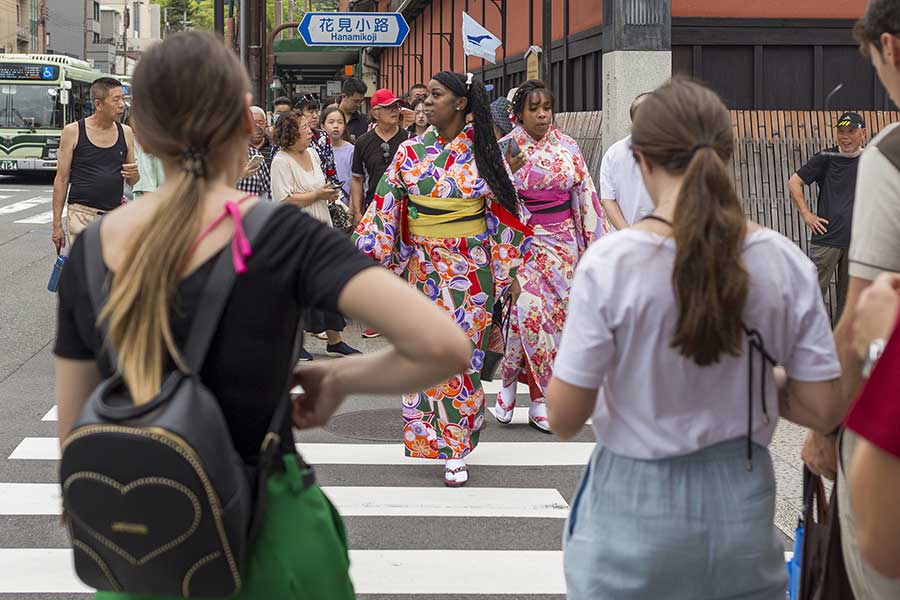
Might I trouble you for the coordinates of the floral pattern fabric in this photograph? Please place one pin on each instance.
(553, 163)
(461, 275)
(322, 143)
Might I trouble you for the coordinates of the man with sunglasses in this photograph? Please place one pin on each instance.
(834, 170)
(374, 150)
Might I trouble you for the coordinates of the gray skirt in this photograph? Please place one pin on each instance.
(692, 527)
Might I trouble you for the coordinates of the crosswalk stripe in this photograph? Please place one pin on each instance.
(39, 219)
(357, 501)
(24, 205)
(520, 415)
(500, 454)
(493, 387)
(52, 415)
(392, 572)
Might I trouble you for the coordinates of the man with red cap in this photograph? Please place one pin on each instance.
(373, 153)
(375, 149)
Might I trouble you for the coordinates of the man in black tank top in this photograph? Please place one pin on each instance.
(96, 157)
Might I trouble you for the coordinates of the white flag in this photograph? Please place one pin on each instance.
(478, 41)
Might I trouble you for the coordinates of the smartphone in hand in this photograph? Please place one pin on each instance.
(509, 147)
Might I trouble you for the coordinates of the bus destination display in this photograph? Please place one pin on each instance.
(25, 72)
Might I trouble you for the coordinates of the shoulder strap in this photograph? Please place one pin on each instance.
(218, 289)
(94, 267)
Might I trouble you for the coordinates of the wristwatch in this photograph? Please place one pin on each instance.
(876, 349)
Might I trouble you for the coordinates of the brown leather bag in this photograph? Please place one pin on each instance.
(823, 575)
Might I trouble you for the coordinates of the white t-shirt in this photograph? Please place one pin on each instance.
(654, 403)
(875, 241)
(621, 180)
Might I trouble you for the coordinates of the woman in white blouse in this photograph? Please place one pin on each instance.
(297, 178)
(673, 332)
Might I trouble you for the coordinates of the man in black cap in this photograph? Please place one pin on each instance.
(834, 170)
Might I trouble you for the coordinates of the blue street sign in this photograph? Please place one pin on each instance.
(353, 29)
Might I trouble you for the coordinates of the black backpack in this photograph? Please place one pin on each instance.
(156, 498)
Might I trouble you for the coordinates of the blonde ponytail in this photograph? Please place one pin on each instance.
(190, 117)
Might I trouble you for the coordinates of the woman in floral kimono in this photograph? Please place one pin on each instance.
(444, 218)
(559, 202)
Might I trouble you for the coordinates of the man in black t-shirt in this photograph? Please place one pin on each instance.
(834, 170)
(374, 151)
(353, 94)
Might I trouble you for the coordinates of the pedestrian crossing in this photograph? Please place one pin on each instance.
(26, 206)
(411, 493)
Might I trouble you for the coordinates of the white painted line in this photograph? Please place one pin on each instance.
(520, 415)
(493, 387)
(392, 572)
(24, 205)
(39, 219)
(351, 501)
(52, 415)
(498, 454)
(6, 189)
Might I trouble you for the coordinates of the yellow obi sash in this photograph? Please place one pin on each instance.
(446, 217)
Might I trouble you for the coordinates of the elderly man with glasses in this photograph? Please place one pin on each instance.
(374, 150)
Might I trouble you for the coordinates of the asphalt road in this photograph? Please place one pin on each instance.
(497, 538)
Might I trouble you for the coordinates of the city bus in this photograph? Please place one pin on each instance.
(39, 95)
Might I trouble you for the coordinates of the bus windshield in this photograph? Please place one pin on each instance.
(19, 104)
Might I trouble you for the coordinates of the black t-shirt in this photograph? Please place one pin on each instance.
(357, 125)
(836, 177)
(297, 262)
(370, 160)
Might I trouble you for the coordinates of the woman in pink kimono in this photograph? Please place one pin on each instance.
(559, 201)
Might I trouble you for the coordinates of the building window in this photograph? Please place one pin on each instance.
(137, 19)
(96, 11)
(96, 38)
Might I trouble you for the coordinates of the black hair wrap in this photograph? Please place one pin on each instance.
(193, 161)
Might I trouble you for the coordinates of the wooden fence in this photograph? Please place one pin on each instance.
(769, 147)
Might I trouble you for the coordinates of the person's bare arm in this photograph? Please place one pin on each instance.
(568, 407)
(614, 214)
(356, 198)
(67, 141)
(130, 169)
(304, 199)
(873, 481)
(816, 223)
(75, 380)
(812, 404)
(435, 349)
(819, 450)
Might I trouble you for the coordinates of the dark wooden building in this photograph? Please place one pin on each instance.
(766, 54)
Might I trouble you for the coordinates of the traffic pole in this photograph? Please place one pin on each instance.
(219, 16)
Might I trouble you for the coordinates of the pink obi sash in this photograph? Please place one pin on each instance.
(547, 207)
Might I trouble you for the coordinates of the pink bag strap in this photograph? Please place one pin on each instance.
(240, 245)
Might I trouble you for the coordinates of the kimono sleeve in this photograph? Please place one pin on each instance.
(510, 243)
(590, 220)
(379, 233)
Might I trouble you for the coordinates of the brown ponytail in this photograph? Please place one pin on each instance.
(189, 104)
(684, 128)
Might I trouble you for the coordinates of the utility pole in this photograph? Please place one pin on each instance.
(126, 21)
(219, 17)
(244, 30)
(87, 27)
(278, 7)
(547, 42)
